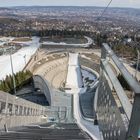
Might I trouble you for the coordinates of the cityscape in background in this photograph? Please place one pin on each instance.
(70, 72)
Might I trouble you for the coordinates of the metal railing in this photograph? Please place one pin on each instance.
(15, 111)
(118, 118)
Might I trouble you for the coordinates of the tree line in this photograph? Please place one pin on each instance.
(44, 32)
(21, 78)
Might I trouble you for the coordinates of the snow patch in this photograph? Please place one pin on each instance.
(18, 58)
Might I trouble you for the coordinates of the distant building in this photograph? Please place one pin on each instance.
(127, 40)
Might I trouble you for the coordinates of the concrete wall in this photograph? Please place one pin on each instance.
(43, 85)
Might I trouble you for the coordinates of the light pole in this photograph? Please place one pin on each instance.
(13, 77)
(138, 56)
(25, 59)
(137, 65)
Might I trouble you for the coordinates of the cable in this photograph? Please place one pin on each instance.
(105, 9)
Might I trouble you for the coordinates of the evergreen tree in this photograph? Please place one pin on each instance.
(21, 78)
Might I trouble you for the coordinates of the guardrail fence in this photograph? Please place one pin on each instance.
(15, 111)
(118, 115)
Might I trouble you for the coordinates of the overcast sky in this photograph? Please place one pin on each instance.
(115, 3)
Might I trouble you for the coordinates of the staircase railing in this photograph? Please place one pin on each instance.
(15, 111)
(118, 113)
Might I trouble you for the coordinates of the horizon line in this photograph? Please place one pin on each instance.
(67, 6)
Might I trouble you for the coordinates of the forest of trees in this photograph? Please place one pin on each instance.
(21, 78)
(125, 51)
(43, 33)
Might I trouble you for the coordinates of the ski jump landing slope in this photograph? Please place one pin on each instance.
(74, 76)
(74, 83)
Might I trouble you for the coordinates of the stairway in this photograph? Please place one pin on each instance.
(48, 131)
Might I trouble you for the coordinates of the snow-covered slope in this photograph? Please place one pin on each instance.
(18, 58)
